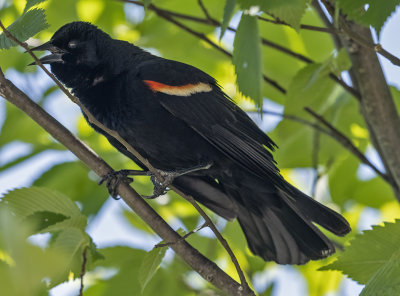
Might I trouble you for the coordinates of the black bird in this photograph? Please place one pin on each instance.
(178, 118)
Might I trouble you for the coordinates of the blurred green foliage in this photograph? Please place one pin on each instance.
(50, 206)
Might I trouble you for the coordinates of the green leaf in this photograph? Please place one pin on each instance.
(291, 13)
(150, 264)
(26, 202)
(368, 252)
(341, 62)
(24, 260)
(265, 5)
(137, 222)
(373, 193)
(247, 58)
(386, 281)
(44, 219)
(376, 15)
(31, 3)
(26, 26)
(307, 89)
(71, 242)
(72, 179)
(228, 13)
(146, 3)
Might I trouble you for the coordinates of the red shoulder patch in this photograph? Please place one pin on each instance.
(178, 90)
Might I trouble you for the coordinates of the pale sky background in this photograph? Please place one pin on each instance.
(111, 229)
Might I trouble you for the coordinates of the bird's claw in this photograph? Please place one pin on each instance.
(112, 181)
(161, 187)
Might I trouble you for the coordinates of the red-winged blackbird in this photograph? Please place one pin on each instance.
(178, 118)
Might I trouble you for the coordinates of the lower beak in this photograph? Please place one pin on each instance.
(54, 57)
(51, 58)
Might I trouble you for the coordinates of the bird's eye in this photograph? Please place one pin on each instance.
(73, 44)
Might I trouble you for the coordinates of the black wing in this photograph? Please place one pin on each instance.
(212, 114)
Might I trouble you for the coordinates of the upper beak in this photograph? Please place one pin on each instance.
(54, 57)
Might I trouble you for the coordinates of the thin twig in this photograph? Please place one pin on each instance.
(315, 161)
(340, 137)
(94, 121)
(205, 11)
(392, 58)
(296, 119)
(160, 245)
(83, 270)
(306, 27)
(377, 47)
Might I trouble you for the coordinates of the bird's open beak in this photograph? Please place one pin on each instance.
(54, 57)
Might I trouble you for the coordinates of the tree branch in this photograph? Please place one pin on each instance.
(207, 269)
(315, 161)
(305, 27)
(83, 270)
(376, 104)
(244, 288)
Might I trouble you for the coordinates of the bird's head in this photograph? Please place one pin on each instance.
(75, 52)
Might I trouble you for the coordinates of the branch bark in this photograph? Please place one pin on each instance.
(376, 103)
(206, 268)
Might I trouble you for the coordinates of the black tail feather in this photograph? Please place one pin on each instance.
(278, 224)
(320, 214)
(283, 235)
(283, 230)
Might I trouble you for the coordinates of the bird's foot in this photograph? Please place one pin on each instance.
(161, 187)
(114, 178)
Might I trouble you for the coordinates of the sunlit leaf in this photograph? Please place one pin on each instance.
(35, 265)
(73, 179)
(386, 280)
(90, 10)
(228, 13)
(247, 58)
(137, 222)
(290, 13)
(150, 264)
(27, 201)
(342, 61)
(368, 252)
(26, 26)
(30, 3)
(369, 12)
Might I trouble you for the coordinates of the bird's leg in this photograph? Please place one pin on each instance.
(114, 178)
(160, 187)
